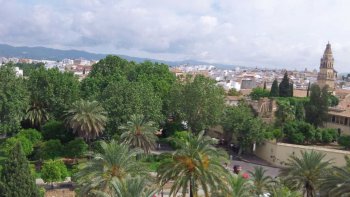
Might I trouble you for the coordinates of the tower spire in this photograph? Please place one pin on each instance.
(326, 76)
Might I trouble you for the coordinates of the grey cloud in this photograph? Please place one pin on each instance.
(256, 32)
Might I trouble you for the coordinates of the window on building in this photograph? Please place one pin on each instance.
(333, 118)
(346, 121)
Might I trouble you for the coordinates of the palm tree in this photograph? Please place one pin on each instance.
(87, 119)
(112, 161)
(139, 133)
(131, 187)
(262, 182)
(337, 182)
(238, 186)
(36, 114)
(306, 172)
(196, 165)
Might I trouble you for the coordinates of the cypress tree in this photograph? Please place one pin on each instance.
(274, 89)
(291, 92)
(264, 85)
(284, 90)
(317, 107)
(308, 90)
(16, 178)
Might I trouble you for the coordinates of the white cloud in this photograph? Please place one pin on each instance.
(272, 33)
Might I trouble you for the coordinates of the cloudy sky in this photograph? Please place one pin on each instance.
(265, 33)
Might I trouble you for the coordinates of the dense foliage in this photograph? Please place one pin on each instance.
(317, 107)
(14, 100)
(16, 179)
(198, 102)
(258, 93)
(274, 92)
(285, 87)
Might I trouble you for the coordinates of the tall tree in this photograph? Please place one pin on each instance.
(197, 164)
(285, 112)
(299, 111)
(261, 181)
(16, 178)
(138, 132)
(199, 102)
(14, 99)
(112, 161)
(317, 107)
(53, 90)
(308, 90)
(108, 70)
(264, 85)
(274, 92)
(87, 119)
(132, 98)
(305, 172)
(130, 187)
(37, 115)
(291, 91)
(284, 87)
(337, 182)
(240, 124)
(158, 75)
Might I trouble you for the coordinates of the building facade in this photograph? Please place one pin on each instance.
(327, 74)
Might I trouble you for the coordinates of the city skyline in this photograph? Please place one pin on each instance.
(288, 34)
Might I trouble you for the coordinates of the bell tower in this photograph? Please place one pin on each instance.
(327, 74)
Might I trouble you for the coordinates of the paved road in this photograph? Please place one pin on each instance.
(271, 171)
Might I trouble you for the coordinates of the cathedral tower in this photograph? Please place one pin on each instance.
(327, 74)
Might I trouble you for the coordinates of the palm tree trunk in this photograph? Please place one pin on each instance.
(191, 188)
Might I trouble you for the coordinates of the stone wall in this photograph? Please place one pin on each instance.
(277, 154)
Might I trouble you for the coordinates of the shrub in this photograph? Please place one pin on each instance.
(31, 134)
(51, 149)
(75, 148)
(10, 143)
(42, 191)
(53, 171)
(55, 130)
(178, 136)
(344, 141)
(328, 135)
(297, 138)
(258, 93)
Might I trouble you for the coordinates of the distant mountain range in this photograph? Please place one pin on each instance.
(41, 53)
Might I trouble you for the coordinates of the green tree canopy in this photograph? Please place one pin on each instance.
(10, 143)
(258, 93)
(140, 133)
(126, 98)
(14, 99)
(51, 149)
(199, 102)
(53, 130)
(112, 161)
(241, 126)
(16, 179)
(53, 90)
(197, 164)
(53, 171)
(284, 87)
(305, 172)
(233, 92)
(158, 75)
(317, 108)
(76, 148)
(86, 119)
(274, 92)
